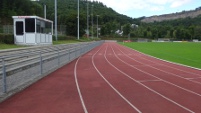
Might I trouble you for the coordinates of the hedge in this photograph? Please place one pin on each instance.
(63, 37)
(7, 38)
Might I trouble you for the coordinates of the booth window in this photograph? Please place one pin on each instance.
(42, 25)
(38, 26)
(48, 27)
(19, 28)
(29, 25)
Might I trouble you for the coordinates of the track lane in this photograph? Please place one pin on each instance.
(107, 85)
(168, 77)
(144, 98)
(55, 93)
(179, 70)
(192, 101)
(97, 95)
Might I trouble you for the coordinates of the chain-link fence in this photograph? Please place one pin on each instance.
(21, 68)
(8, 29)
(61, 30)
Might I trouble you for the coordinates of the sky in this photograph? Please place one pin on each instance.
(147, 8)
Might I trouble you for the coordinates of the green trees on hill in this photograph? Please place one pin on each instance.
(108, 20)
(10, 8)
(179, 29)
(67, 14)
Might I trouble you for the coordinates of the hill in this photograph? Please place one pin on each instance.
(173, 16)
(108, 19)
(10, 8)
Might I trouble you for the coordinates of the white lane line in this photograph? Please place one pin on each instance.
(114, 87)
(193, 78)
(188, 72)
(149, 81)
(170, 63)
(148, 87)
(78, 88)
(163, 65)
(158, 77)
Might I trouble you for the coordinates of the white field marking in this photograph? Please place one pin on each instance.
(114, 87)
(149, 88)
(160, 69)
(78, 88)
(160, 78)
(149, 81)
(169, 62)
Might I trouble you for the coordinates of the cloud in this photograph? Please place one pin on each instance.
(179, 3)
(157, 8)
(138, 8)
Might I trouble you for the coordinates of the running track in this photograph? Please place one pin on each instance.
(112, 79)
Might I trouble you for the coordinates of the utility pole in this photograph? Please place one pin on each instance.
(45, 11)
(87, 19)
(92, 21)
(97, 25)
(78, 20)
(56, 19)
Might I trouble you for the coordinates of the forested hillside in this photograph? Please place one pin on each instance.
(109, 21)
(178, 29)
(10, 8)
(173, 16)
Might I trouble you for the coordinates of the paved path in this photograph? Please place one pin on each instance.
(112, 79)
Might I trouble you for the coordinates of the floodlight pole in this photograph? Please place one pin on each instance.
(92, 21)
(78, 20)
(45, 11)
(56, 19)
(87, 19)
(97, 25)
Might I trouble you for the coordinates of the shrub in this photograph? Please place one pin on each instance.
(63, 37)
(7, 38)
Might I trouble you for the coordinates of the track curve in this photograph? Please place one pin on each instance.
(112, 79)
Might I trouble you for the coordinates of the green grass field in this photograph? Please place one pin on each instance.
(187, 53)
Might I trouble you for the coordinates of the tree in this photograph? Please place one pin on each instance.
(126, 29)
(71, 24)
(197, 32)
(192, 31)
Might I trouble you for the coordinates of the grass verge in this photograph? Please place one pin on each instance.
(9, 46)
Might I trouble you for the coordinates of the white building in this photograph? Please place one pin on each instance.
(32, 30)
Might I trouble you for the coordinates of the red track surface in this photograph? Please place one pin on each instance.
(112, 79)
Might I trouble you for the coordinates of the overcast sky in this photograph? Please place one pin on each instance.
(139, 8)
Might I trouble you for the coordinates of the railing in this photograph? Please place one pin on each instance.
(20, 69)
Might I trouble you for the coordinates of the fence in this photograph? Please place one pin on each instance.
(26, 66)
(8, 29)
